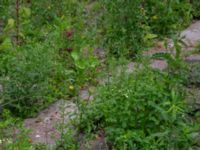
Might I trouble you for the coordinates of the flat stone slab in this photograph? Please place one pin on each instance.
(130, 67)
(193, 58)
(85, 95)
(44, 126)
(191, 36)
(159, 64)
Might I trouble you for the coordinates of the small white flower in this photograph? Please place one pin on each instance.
(37, 136)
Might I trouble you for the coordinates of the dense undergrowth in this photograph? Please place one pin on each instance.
(132, 25)
(47, 53)
(141, 110)
(195, 12)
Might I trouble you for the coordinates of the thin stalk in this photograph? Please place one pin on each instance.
(46, 141)
(62, 122)
(2, 143)
(17, 21)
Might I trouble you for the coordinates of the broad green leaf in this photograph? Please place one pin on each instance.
(6, 45)
(25, 12)
(150, 36)
(80, 64)
(75, 55)
(10, 24)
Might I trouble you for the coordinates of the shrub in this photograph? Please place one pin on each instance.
(37, 73)
(46, 11)
(196, 10)
(32, 77)
(166, 17)
(4, 6)
(129, 23)
(125, 26)
(142, 110)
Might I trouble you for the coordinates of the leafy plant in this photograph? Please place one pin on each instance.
(128, 24)
(31, 78)
(12, 133)
(177, 68)
(166, 17)
(84, 65)
(194, 75)
(141, 110)
(195, 10)
(125, 26)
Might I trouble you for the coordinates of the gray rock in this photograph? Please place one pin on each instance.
(191, 36)
(193, 58)
(44, 126)
(85, 95)
(99, 52)
(159, 64)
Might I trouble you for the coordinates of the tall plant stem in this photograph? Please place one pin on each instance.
(17, 21)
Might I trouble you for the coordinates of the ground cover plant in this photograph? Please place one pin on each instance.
(12, 133)
(142, 110)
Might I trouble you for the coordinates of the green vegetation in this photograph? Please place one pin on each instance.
(142, 110)
(12, 133)
(194, 78)
(130, 25)
(196, 11)
(51, 49)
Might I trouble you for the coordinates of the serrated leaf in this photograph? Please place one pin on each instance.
(165, 56)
